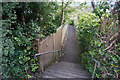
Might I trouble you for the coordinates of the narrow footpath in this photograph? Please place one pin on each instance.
(70, 66)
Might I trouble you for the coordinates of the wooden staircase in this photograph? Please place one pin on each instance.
(70, 66)
(66, 70)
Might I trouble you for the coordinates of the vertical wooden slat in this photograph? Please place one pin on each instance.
(39, 57)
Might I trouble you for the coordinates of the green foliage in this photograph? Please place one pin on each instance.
(86, 27)
(10, 60)
(88, 33)
(22, 24)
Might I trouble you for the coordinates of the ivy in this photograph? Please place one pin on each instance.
(22, 24)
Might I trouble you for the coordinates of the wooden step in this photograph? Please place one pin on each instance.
(68, 73)
(69, 67)
(66, 70)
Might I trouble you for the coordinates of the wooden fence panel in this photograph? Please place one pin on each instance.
(51, 43)
(45, 46)
(58, 38)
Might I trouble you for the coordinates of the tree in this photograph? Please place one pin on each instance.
(63, 9)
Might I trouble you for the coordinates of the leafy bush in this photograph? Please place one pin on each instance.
(88, 28)
(22, 24)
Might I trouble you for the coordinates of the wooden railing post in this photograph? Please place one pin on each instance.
(39, 57)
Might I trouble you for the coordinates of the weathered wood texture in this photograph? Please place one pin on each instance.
(70, 66)
(51, 43)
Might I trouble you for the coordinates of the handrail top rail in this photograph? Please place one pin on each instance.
(35, 56)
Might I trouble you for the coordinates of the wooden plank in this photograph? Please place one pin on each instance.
(50, 43)
(70, 66)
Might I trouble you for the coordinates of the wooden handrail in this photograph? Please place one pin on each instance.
(39, 54)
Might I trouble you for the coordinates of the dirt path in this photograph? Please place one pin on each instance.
(70, 66)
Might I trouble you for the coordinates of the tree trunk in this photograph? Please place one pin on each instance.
(63, 9)
(62, 13)
(62, 17)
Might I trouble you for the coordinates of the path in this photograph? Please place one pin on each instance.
(70, 66)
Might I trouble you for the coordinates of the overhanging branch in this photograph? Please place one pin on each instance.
(66, 5)
(93, 5)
